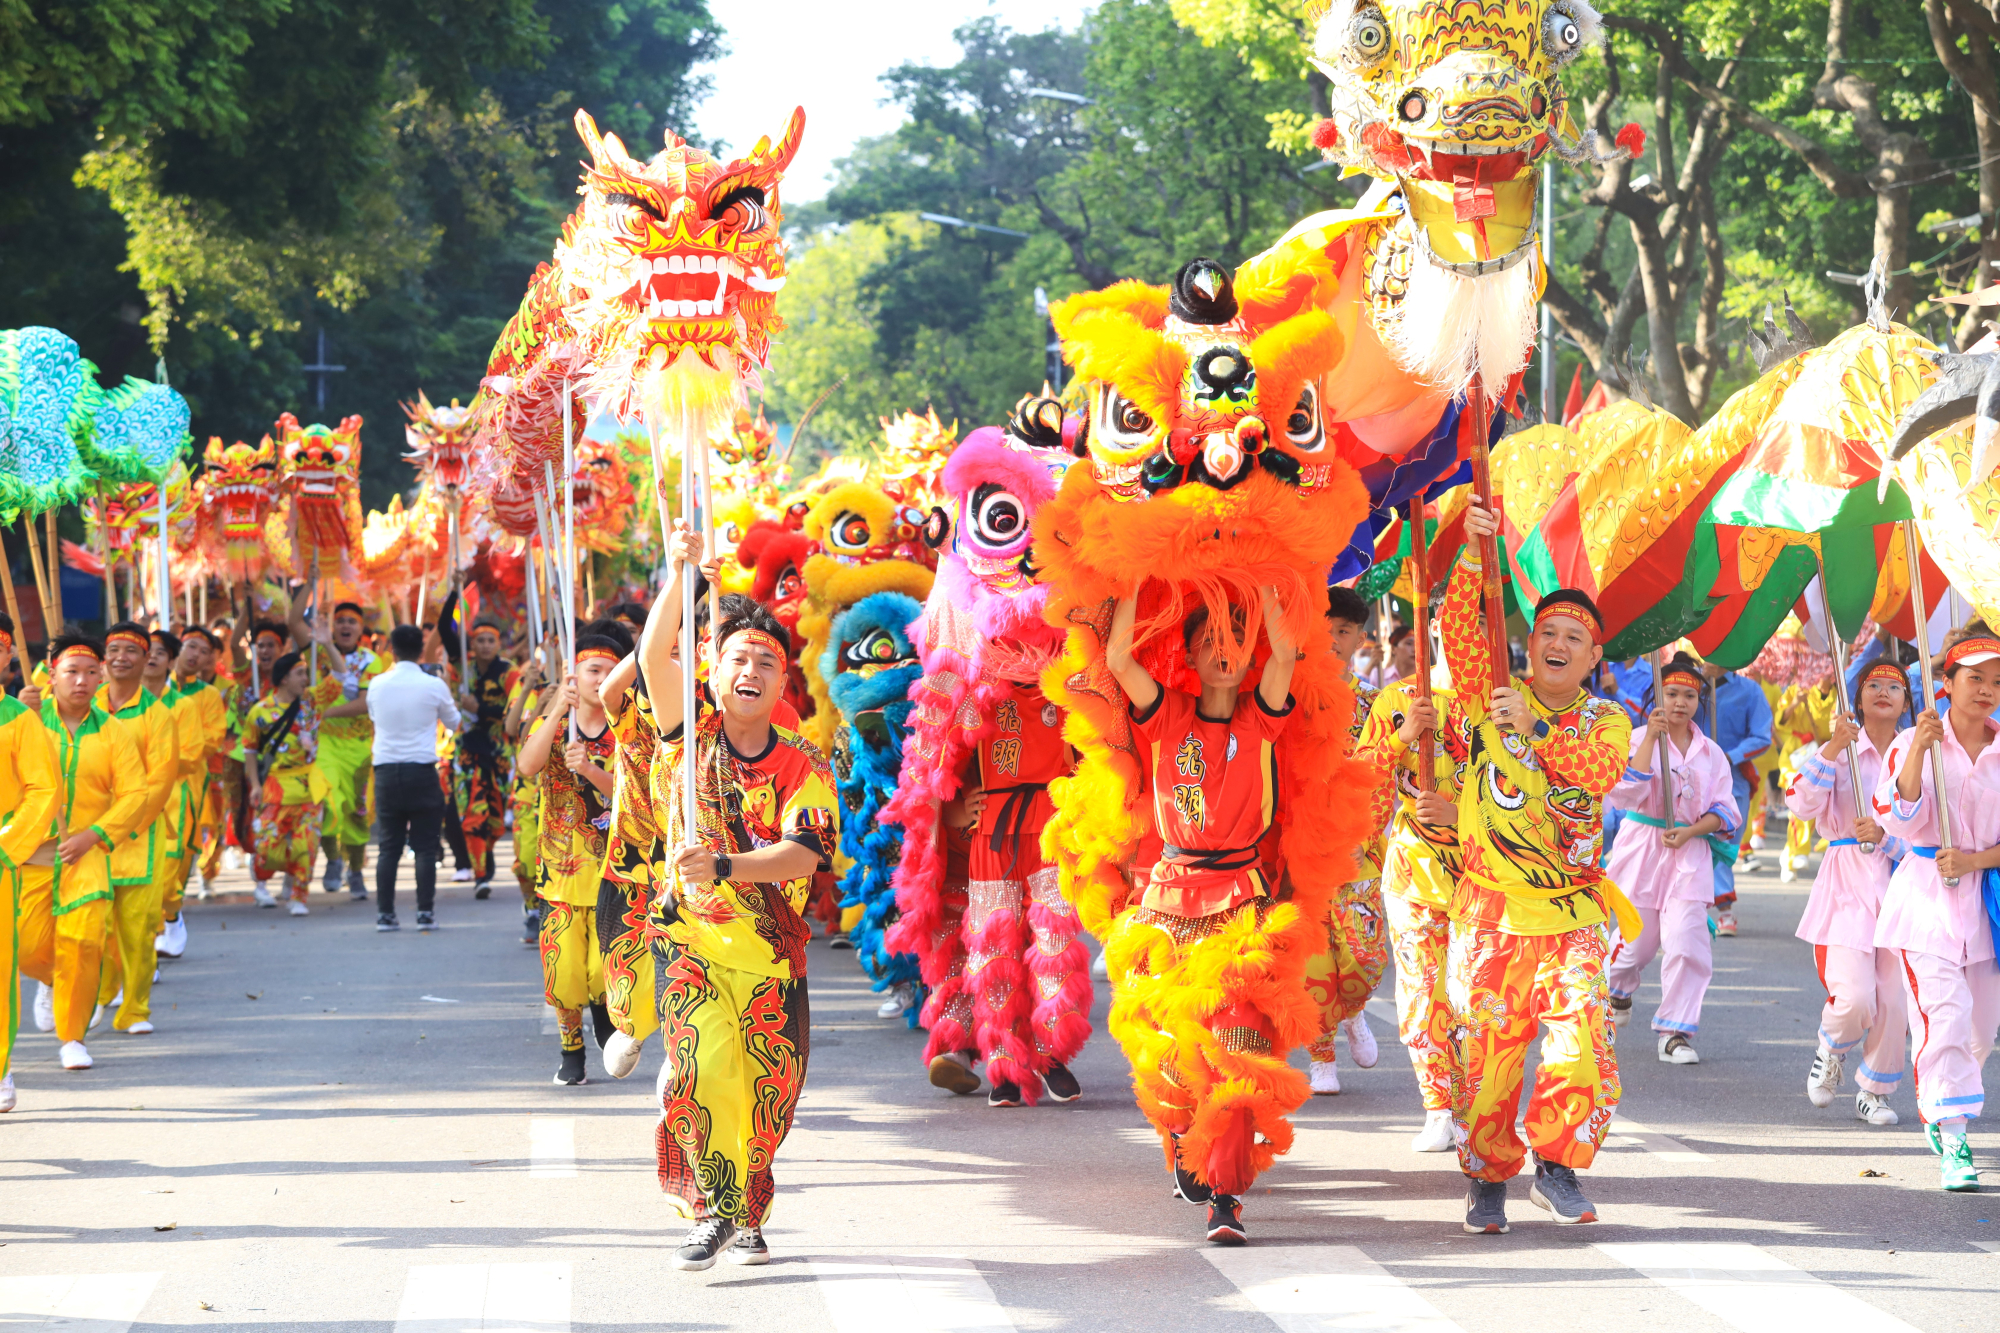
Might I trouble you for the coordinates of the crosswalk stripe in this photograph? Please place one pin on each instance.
(79, 1303)
(551, 1147)
(1750, 1290)
(907, 1295)
(1660, 1145)
(1323, 1288)
(1990, 1246)
(485, 1298)
(551, 1025)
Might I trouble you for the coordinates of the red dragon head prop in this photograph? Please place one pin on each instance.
(237, 494)
(319, 469)
(440, 440)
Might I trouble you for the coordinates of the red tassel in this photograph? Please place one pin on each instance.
(1632, 139)
(1326, 135)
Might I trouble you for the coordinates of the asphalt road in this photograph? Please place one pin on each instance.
(340, 1130)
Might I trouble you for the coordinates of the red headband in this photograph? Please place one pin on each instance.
(88, 650)
(605, 653)
(128, 636)
(761, 638)
(1888, 671)
(1966, 651)
(1667, 673)
(1574, 611)
(258, 637)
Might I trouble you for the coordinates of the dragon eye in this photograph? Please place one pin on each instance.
(875, 648)
(742, 210)
(1129, 419)
(848, 531)
(790, 585)
(1304, 432)
(1369, 35)
(998, 516)
(626, 211)
(1562, 35)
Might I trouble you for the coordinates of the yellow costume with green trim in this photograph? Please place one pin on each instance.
(30, 791)
(137, 889)
(200, 714)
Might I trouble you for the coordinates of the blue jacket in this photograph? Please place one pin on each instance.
(1737, 717)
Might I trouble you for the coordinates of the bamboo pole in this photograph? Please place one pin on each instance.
(1489, 547)
(1420, 611)
(1839, 655)
(49, 627)
(1912, 550)
(20, 625)
(1666, 749)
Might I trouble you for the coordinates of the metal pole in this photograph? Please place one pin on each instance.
(534, 596)
(458, 586)
(559, 588)
(1912, 550)
(1489, 547)
(1839, 654)
(690, 804)
(1666, 748)
(569, 527)
(1420, 610)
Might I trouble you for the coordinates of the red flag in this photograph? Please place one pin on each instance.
(1573, 404)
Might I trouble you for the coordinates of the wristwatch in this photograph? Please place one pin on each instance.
(721, 867)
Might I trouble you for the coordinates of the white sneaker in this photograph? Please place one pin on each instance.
(621, 1055)
(1725, 924)
(1325, 1079)
(198, 888)
(173, 941)
(45, 1007)
(1874, 1108)
(1360, 1040)
(97, 1014)
(262, 896)
(1101, 969)
(1757, 842)
(1436, 1135)
(462, 875)
(1825, 1077)
(7, 1093)
(1677, 1048)
(1786, 873)
(901, 996)
(300, 909)
(232, 859)
(74, 1056)
(140, 1028)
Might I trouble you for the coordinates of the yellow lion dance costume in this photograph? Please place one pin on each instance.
(1210, 469)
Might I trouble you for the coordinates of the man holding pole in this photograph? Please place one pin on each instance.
(346, 748)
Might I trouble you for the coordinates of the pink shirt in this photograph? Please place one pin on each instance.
(1847, 892)
(1919, 912)
(1649, 874)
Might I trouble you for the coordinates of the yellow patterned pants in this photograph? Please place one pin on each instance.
(1342, 978)
(628, 959)
(1420, 936)
(1502, 988)
(736, 1046)
(63, 952)
(572, 968)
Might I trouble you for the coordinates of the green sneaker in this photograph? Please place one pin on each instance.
(1957, 1171)
(1931, 1137)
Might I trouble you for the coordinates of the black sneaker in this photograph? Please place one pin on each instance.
(1004, 1093)
(1225, 1221)
(387, 921)
(483, 890)
(749, 1249)
(571, 1072)
(601, 1024)
(839, 940)
(426, 921)
(1061, 1084)
(709, 1238)
(1557, 1190)
(356, 890)
(1485, 1206)
(1185, 1184)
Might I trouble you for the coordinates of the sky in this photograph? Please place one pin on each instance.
(829, 58)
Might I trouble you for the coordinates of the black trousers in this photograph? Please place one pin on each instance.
(408, 809)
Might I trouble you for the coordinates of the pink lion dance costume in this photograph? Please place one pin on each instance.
(995, 941)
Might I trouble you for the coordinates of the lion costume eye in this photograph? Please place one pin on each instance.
(848, 531)
(877, 647)
(742, 209)
(1128, 419)
(998, 518)
(1562, 35)
(1368, 36)
(1305, 429)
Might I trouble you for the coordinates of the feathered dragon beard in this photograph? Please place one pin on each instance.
(1448, 327)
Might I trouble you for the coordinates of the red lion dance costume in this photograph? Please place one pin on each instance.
(995, 941)
(1210, 471)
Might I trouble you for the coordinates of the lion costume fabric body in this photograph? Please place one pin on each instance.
(1209, 474)
(997, 943)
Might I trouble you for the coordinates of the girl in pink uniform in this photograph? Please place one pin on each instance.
(1864, 984)
(1668, 872)
(1940, 931)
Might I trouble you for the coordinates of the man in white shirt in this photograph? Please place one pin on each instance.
(407, 705)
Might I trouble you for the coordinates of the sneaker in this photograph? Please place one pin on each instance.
(426, 921)
(621, 1055)
(298, 908)
(45, 1007)
(172, 941)
(901, 996)
(1756, 842)
(1060, 1084)
(332, 880)
(232, 859)
(952, 1071)
(1621, 1010)
(1955, 1169)
(1874, 1108)
(1324, 1079)
(1485, 1207)
(1186, 1185)
(462, 875)
(1825, 1079)
(839, 940)
(6, 1094)
(262, 896)
(1725, 924)
(1360, 1040)
(1005, 1093)
(571, 1073)
(1676, 1049)
(699, 1250)
(749, 1249)
(198, 888)
(1101, 968)
(74, 1056)
(140, 1028)
(483, 890)
(388, 921)
(97, 1014)
(1225, 1221)
(1436, 1135)
(356, 890)
(1786, 874)
(531, 927)
(1556, 1190)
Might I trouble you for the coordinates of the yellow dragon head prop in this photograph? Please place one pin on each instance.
(440, 440)
(237, 493)
(320, 474)
(1207, 475)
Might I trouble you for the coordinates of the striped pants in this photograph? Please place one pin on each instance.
(1954, 1011)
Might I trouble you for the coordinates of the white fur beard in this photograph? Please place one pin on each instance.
(1448, 328)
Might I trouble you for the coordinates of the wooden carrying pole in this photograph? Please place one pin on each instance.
(1666, 749)
(1838, 651)
(1420, 609)
(1913, 551)
(51, 614)
(20, 625)
(1489, 547)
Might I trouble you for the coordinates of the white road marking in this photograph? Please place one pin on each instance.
(907, 1295)
(1323, 1288)
(1751, 1290)
(1990, 1246)
(489, 1298)
(1660, 1145)
(551, 1147)
(551, 1027)
(77, 1303)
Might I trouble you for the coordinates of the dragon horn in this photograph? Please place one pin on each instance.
(586, 129)
(787, 147)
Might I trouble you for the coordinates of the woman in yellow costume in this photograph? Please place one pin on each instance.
(31, 787)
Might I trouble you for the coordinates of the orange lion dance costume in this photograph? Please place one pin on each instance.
(1208, 467)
